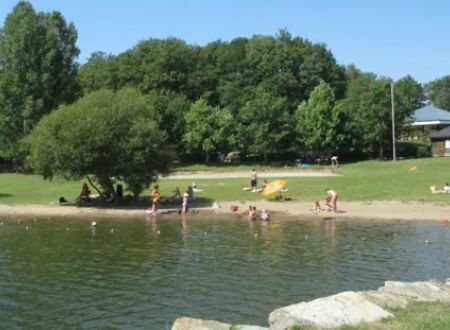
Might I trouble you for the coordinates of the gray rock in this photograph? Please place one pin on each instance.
(346, 308)
(430, 291)
(187, 323)
(385, 300)
(248, 327)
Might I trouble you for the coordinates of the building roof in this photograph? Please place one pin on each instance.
(431, 115)
(441, 134)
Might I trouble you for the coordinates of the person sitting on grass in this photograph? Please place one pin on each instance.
(445, 189)
(176, 195)
(85, 194)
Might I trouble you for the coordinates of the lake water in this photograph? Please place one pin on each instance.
(136, 274)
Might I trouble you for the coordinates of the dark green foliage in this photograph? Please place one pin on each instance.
(260, 80)
(320, 125)
(111, 135)
(438, 91)
(208, 129)
(37, 73)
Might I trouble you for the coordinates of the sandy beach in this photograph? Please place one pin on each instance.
(413, 211)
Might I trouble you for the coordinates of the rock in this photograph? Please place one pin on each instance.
(188, 323)
(430, 291)
(385, 300)
(247, 327)
(346, 308)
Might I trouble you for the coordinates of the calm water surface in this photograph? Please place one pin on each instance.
(61, 273)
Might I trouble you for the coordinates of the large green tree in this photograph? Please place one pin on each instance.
(37, 72)
(320, 123)
(265, 123)
(112, 136)
(438, 91)
(209, 129)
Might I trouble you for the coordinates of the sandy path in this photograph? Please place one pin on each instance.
(246, 174)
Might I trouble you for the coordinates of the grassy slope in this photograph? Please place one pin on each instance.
(423, 316)
(363, 181)
(418, 316)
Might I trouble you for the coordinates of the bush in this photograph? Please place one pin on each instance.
(413, 149)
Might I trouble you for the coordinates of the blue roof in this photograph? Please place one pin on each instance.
(431, 113)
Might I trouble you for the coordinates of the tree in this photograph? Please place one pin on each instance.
(409, 96)
(264, 123)
(38, 71)
(438, 91)
(110, 135)
(99, 72)
(319, 122)
(208, 129)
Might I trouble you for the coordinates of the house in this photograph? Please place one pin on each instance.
(429, 119)
(440, 142)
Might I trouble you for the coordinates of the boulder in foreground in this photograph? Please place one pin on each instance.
(346, 308)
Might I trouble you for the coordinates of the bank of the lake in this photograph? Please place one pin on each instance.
(377, 211)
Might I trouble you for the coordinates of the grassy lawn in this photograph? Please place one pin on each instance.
(362, 181)
(416, 316)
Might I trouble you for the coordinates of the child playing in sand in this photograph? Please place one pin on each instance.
(332, 197)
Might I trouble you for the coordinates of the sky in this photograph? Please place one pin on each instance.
(392, 38)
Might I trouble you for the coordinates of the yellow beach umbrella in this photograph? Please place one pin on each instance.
(273, 187)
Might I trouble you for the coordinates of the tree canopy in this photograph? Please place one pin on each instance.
(110, 135)
(438, 91)
(37, 73)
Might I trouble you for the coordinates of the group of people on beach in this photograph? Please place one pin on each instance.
(188, 195)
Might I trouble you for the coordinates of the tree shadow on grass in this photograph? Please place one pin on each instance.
(5, 195)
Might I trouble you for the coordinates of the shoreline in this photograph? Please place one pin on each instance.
(296, 211)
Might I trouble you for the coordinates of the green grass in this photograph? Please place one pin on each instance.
(418, 316)
(363, 181)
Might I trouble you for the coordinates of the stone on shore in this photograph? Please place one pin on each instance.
(346, 308)
(188, 323)
(429, 291)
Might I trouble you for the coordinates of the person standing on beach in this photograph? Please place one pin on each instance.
(253, 180)
(184, 205)
(332, 197)
(155, 197)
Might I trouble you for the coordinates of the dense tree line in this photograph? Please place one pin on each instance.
(38, 72)
(266, 96)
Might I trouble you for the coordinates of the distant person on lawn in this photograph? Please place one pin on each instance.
(253, 180)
